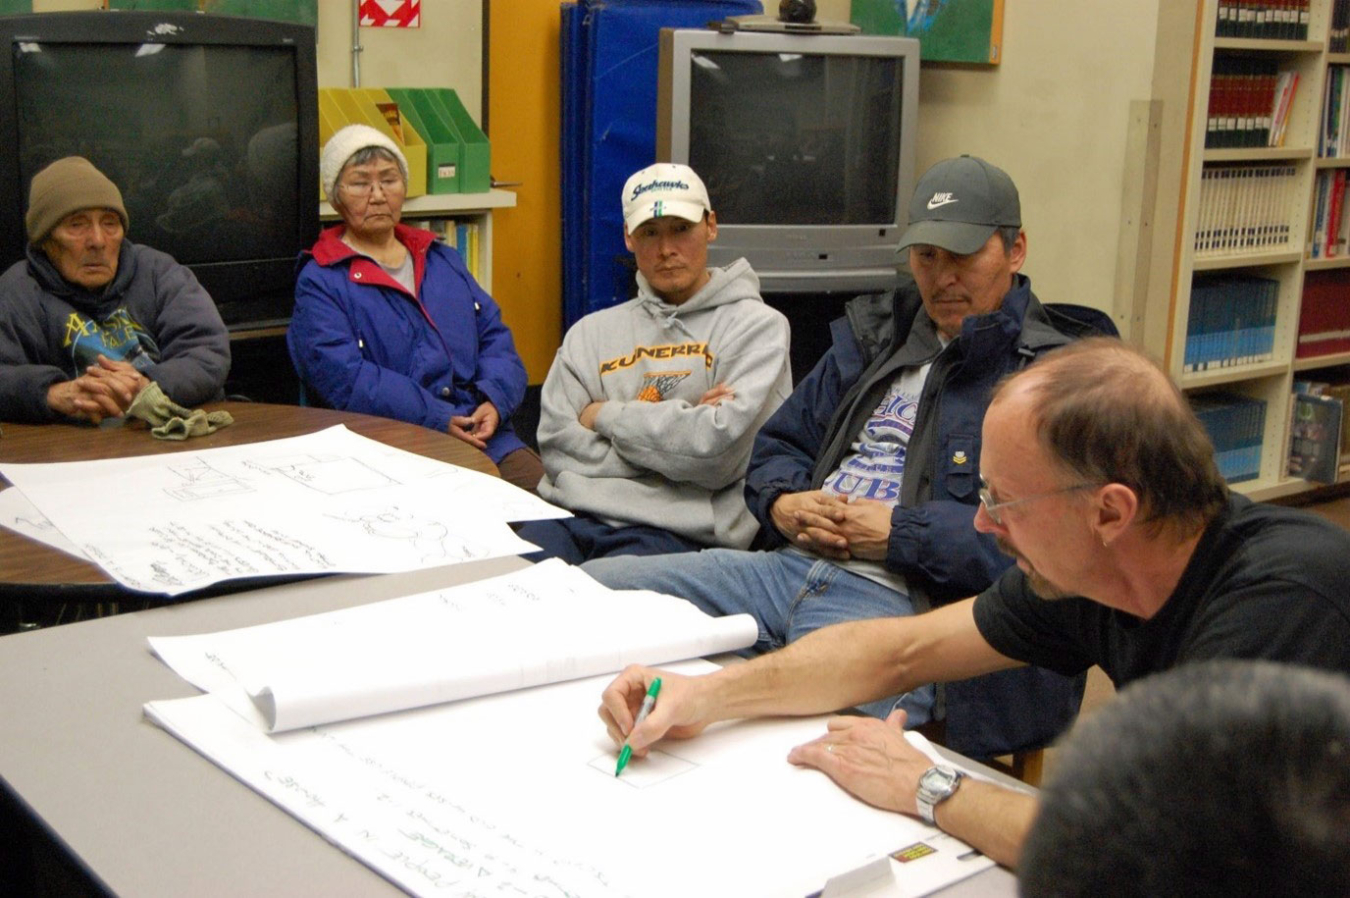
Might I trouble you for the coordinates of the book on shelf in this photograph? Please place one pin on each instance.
(1244, 99)
(1263, 19)
(1324, 314)
(462, 236)
(1249, 102)
(1316, 431)
(1236, 424)
(1331, 215)
(1281, 102)
(1334, 208)
(1334, 138)
(1245, 209)
(1341, 391)
(1338, 40)
(1231, 321)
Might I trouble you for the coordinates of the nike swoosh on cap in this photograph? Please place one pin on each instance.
(934, 203)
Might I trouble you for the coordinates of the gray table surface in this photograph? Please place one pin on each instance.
(148, 816)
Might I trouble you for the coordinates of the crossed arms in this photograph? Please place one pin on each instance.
(704, 442)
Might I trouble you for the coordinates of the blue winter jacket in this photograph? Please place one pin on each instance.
(362, 343)
(933, 541)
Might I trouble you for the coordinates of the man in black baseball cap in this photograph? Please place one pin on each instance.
(866, 480)
(960, 205)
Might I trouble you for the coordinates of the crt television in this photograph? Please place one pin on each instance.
(806, 145)
(207, 124)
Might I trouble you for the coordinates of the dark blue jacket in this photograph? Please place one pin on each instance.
(364, 344)
(154, 314)
(933, 541)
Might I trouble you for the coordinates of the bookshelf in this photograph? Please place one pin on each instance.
(1211, 217)
(471, 208)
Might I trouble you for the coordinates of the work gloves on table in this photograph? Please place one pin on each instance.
(170, 421)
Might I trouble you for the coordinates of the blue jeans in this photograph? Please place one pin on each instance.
(789, 594)
(583, 538)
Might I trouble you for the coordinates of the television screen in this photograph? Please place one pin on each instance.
(806, 143)
(201, 139)
(794, 138)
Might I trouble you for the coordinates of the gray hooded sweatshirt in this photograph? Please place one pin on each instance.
(657, 456)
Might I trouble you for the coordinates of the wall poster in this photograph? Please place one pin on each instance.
(969, 31)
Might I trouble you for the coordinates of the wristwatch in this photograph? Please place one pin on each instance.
(936, 785)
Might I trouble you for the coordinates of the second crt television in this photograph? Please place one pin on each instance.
(806, 144)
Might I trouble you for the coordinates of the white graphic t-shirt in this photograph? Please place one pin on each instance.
(874, 468)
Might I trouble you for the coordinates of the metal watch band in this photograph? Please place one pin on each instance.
(937, 784)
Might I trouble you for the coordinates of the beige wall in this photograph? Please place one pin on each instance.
(445, 52)
(1055, 114)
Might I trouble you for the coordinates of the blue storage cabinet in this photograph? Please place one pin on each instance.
(609, 69)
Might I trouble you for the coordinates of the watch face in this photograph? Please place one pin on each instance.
(938, 780)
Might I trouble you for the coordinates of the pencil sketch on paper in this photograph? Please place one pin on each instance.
(201, 481)
(328, 474)
(658, 767)
(37, 522)
(429, 538)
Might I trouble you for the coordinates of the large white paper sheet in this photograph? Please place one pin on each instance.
(515, 794)
(542, 624)
(22, 516)
(326, 502)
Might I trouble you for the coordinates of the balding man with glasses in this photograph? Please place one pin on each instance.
(1130, 553)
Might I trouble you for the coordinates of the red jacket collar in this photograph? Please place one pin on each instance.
(329, 250)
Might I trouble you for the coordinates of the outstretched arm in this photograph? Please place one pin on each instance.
(873, 760)
(834, 667)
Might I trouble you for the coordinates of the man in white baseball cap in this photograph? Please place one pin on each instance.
(650, 409)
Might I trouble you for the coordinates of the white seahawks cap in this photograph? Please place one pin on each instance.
(663, 189)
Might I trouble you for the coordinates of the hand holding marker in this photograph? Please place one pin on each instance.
(648, 703)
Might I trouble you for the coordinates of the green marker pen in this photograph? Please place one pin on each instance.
(647, 704)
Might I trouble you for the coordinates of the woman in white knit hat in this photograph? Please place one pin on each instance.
(388, 321)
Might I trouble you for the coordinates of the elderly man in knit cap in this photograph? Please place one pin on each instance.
(388, 321)
(90, 319)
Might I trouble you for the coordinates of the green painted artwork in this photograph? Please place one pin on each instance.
(305, 12)
(948, 30)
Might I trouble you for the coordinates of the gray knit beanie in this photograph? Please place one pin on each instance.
(69, 185)
(345, 144)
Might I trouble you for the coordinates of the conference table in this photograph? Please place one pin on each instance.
(43, 578)
(94, 798)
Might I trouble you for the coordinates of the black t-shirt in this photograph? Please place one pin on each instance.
(1264, 582)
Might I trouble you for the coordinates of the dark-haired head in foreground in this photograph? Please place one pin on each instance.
(1225, 778)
